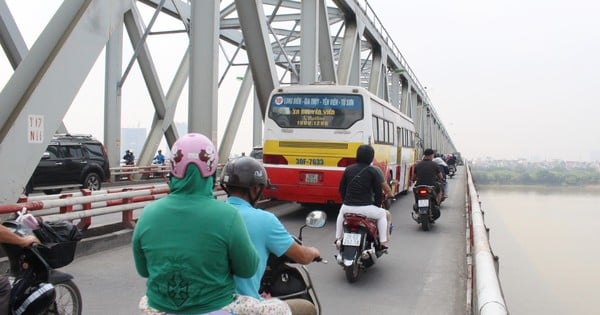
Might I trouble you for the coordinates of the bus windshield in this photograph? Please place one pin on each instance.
(322, 111)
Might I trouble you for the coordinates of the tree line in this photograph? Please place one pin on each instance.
(532, 174)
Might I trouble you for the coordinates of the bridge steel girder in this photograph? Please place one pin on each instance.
(375, 75)
(112, 99)
(350, 48)
(271, 46)
(162, 124)
(396, 90)
(260, 53)
(62, 55)
(236, 116)
(406, 103)
(421, 121)
(316, 50)
(326, 59)
(14, 45)
(310, 29)
(10, 37)
(203, 88)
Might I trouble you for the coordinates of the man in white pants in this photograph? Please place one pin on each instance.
(361, 189)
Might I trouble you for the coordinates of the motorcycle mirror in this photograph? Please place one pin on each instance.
(316, 219)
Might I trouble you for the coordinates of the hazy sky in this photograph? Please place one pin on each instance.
(511, 78)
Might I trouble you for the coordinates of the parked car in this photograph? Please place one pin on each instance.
(70, 161)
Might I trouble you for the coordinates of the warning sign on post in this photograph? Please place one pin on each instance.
(35, 129)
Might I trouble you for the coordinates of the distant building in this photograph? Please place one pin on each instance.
(595, 155)
(133, 139)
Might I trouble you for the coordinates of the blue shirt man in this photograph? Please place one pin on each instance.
(159, 158)
(268, 236)
(244, 180)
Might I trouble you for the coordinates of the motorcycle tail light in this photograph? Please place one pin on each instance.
(423, 192)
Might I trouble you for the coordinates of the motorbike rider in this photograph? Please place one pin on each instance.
(129, 157)
(8, 237)
(361, 190)
(188, 244)
(244, 180)
(159, 158)
(445, 170)
(427, 172)
(450, 159)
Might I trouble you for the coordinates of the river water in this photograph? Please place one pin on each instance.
(548, 241)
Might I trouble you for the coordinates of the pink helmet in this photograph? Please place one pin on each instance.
(193, 148)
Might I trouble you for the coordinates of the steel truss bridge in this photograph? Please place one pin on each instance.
(204, 45)
(207, 47)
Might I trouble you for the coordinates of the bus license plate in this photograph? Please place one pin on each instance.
(423, 203)
(311, 178)
(351, 239)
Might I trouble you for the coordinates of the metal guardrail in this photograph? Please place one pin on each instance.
(130, 172)
(483, 267)
(86, 204)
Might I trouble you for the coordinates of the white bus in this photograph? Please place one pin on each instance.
(311, 134)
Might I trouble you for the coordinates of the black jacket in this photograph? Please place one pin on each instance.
(361, 185)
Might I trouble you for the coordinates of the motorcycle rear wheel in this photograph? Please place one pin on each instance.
(68, 299)
(352, 272)
(424, 222)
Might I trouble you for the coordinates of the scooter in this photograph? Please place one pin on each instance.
(37, 288)
(426, 210)
(359, 248)
(286, 279)
(451, 170)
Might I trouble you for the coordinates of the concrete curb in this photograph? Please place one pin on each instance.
(92, 245)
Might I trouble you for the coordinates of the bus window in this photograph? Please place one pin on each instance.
(383, 130)
(323, 111)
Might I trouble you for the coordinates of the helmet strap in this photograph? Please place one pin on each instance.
(254, 199)
(225, 189)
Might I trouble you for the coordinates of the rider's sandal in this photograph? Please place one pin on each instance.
(382, 250)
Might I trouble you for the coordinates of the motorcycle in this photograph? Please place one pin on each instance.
(37, 288)
(359, 248)
(451, 170)
(286, 279)
(426, 210)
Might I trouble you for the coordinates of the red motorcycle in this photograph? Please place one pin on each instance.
(359, 248)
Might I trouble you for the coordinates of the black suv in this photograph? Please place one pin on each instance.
(70, 161)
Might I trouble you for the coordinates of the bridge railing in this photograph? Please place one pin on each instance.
(130, 172)
(85, 204)
(486, 292)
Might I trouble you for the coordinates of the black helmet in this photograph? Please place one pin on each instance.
(28, 298)
(243, 172)
(365, 154)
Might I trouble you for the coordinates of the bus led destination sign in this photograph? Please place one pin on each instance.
(329, 111)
